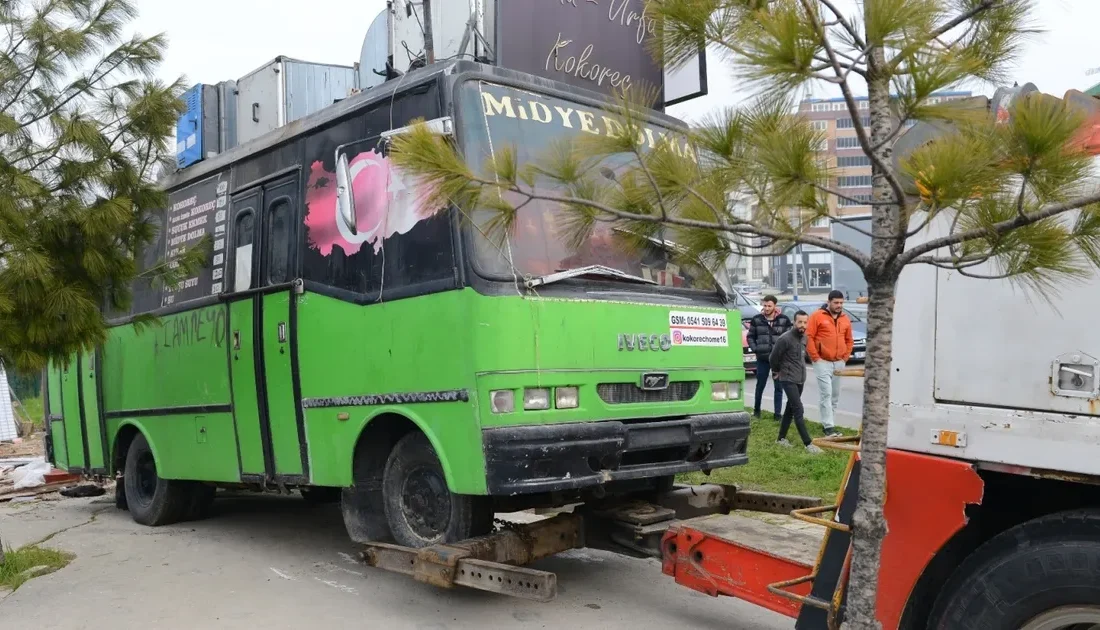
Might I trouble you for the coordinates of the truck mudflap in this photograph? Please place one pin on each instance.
(571, 456)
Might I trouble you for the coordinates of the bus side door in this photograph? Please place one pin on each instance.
(276, 327)
(265, 387)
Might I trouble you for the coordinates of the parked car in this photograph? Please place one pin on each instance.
(750, 358)
(746, 308)
(859, 325)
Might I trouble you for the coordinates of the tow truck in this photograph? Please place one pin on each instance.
(993, 474)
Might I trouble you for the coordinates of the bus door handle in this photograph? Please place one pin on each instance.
(282, 332)
(236, 340)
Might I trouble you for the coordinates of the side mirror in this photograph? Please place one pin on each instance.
(345, 200)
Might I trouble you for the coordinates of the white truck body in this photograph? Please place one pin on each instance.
(1015, 377)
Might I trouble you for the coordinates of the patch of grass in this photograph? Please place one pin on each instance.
(32, 411)
(774, 468)
(16, 563)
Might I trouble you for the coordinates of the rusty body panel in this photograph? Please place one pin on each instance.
(488, 562)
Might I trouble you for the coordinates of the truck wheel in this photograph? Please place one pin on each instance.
(319, 495)
(420, 509)
(1041, 575)
(151, 500)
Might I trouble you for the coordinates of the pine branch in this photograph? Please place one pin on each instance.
(739, 226)
(845, 23)
(963, 17)
(997, 229)
(853, 108)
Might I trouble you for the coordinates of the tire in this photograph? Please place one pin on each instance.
(120, 494)
(152, 501)
(1042, 574)
(420, 509)
(199, 501)
(319, 495)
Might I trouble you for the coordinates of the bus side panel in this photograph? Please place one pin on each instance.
(200, 447)
(70, 411)
(93, 427)
(54, 417)
(175, 378)
(245, 402)
(414, 347)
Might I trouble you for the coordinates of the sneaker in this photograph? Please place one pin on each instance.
(831, 431)
(813, 449)
(784, 443)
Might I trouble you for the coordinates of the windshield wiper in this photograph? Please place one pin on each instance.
(591, 270)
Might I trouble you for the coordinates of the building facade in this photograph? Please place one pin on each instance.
(851, 177)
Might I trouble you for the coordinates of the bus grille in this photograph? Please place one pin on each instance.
(627, 393)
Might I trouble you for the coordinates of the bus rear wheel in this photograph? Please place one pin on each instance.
(1045, 573)
(420, 508)
(151, 499)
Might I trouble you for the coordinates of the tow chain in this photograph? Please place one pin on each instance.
(503, 525)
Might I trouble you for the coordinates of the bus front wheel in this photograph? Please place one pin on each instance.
(151, 499)
(420, 508)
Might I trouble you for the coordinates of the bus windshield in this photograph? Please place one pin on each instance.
(495, 117)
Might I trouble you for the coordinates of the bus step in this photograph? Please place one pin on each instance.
(489, 563)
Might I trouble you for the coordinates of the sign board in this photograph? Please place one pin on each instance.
(598, 45)
(195, 212)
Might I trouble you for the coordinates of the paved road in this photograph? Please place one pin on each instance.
(851, 399)
(280, 563)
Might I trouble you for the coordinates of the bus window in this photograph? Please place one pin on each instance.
(243, 230)
(279, 242)
(398, 245)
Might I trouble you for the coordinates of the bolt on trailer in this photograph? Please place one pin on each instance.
(347, 341)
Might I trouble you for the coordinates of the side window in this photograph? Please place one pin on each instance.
(146, 291)
(398, 241)
(279, 241)
(244, 233)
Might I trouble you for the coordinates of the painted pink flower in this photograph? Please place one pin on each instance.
(386, 203)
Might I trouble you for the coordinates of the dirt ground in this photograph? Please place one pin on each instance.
(279, 562)
(31, 446)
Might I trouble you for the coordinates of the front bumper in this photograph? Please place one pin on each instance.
(572, 456)
(859, 353)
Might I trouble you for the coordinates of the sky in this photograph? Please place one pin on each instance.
(216, 40)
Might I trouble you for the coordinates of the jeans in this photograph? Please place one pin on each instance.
(794, 411)
(828, 390)
(763, 373)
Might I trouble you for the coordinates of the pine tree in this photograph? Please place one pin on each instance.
(84, 128)
(1010, 200)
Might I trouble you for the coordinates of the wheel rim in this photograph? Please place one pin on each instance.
(426, 503)
(1067, 618)
(146, 481)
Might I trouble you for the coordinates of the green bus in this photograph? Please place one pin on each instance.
(346, 342)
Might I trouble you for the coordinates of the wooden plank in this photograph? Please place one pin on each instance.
(30, 492)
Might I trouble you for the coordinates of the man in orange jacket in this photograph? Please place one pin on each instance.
(829, 343)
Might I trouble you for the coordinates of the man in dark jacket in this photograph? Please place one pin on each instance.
(764, 329)
(788, 364)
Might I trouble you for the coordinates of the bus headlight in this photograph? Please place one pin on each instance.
(566, 398)
(502, 401)
(536, 398)
(723, 391)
